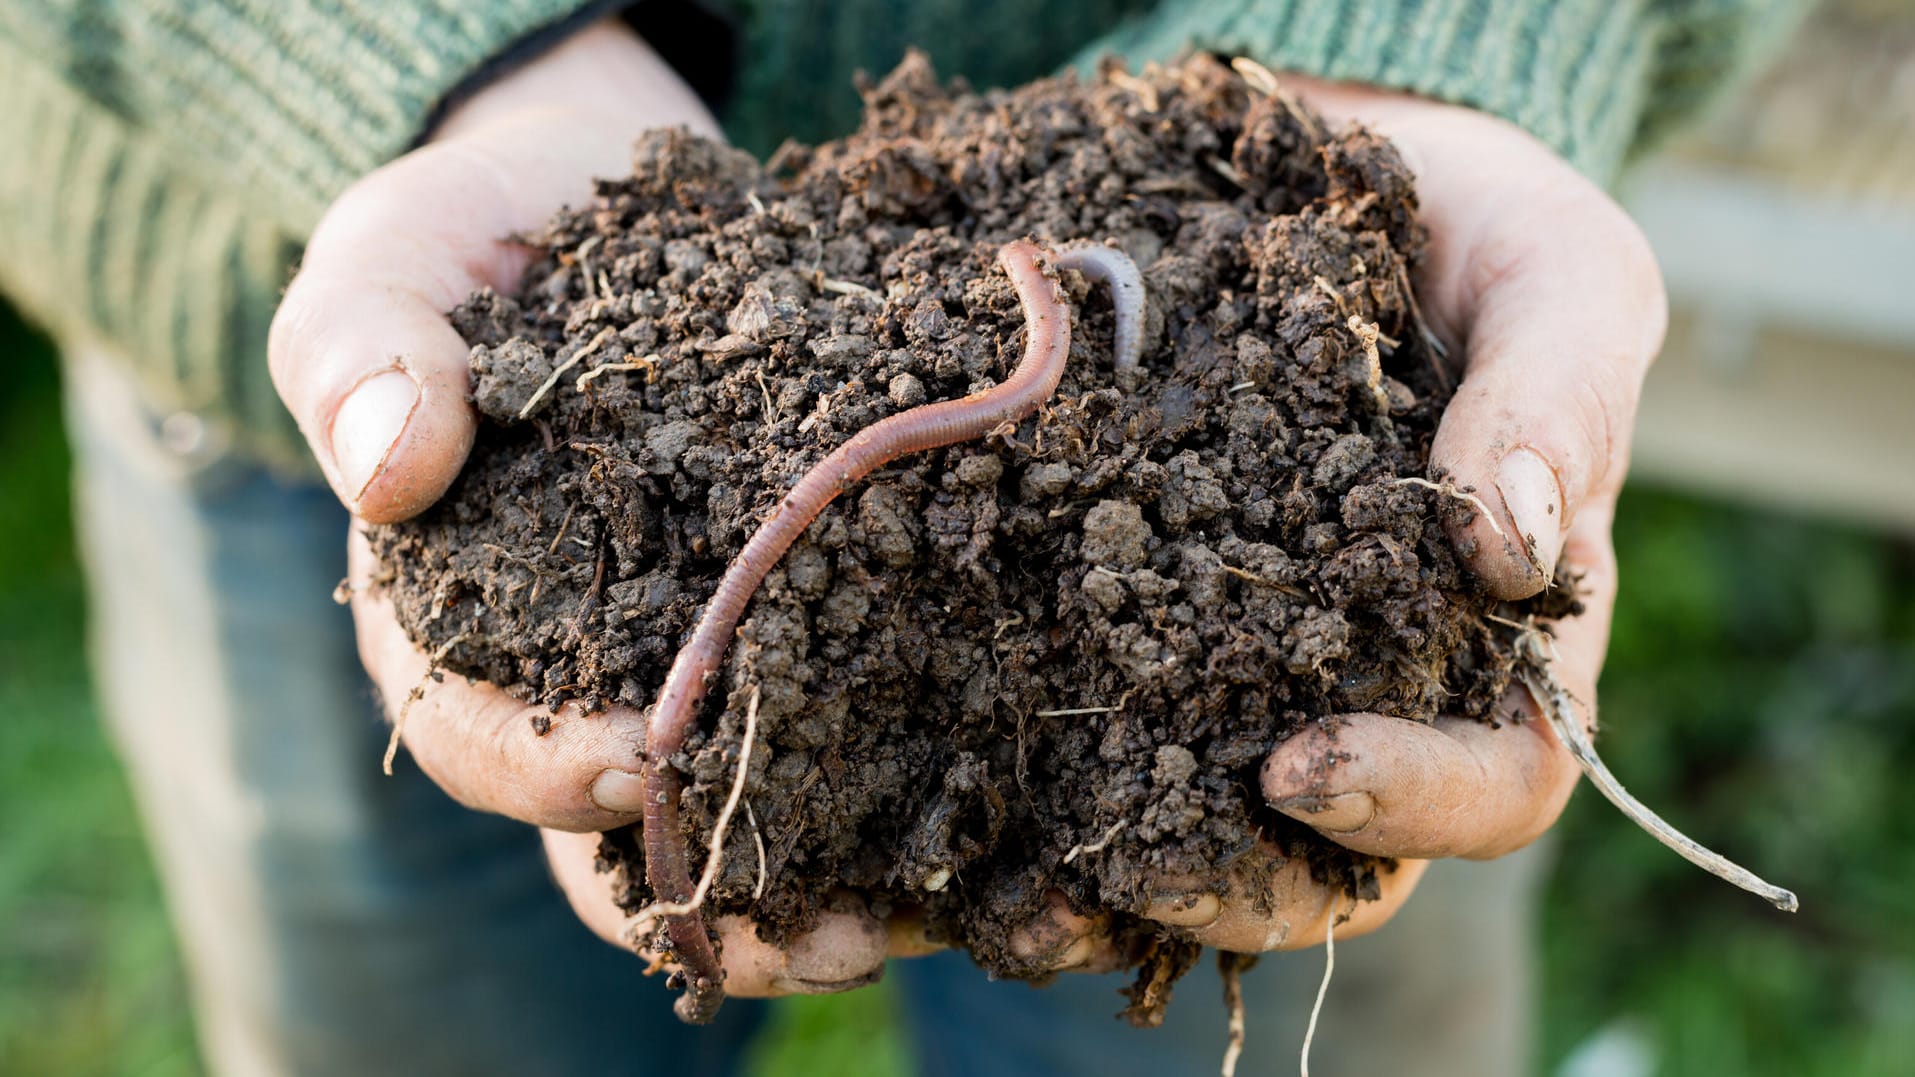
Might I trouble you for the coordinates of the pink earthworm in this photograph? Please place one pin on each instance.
(1047, 344)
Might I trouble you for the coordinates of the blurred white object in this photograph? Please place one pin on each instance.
(1619, 1049)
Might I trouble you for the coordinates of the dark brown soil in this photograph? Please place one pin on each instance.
(990, 654)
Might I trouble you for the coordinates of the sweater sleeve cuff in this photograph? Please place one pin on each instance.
(295, 100)
(1576, 74)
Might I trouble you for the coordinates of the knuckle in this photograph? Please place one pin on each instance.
(294, 322)
(551, 790)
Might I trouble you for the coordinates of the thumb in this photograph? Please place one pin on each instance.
(360, 348)
(1564, 310)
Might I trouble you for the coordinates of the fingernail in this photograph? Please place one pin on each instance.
(1338, 814)
(1535, 503)
(620, 791)
(792, 985)
(1185, 910)
(368, 423)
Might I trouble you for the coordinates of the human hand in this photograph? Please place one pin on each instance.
(1550, 295)
(365, 359)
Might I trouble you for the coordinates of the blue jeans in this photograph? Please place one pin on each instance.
(336, 921)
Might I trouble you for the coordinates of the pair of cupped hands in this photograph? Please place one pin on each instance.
(1534, 277)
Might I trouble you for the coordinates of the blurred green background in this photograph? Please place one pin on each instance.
(1760, 691)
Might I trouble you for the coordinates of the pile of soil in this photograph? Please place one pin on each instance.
(986, 655)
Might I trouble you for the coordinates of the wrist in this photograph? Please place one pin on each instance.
(604, 75)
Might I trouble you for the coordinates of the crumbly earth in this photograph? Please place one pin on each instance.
(1087, 630)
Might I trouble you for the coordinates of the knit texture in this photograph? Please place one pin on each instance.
(166, 159)
(1598, 80)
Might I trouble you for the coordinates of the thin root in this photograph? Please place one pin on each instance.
(1323, 989)
(643, 920)
(1537, 673)
(1448, 489)
(1098, 846)
(418, 692)
(1230, 966)
(758, 839)
(649, 364)
(577, 358)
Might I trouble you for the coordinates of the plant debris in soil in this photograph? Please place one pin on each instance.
(1050, 660)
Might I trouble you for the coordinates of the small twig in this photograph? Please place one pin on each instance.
(1227, 170)
(642, 921)
(1098, 846)
(647, 364)
(1438, 353)
(771, 410)
(563, 524)
(1559, 708)
(418, 692)
(1263, 80)
(1366, 334)
(577, 357)
(1066, 712)
(848, 287)
(1231, 967)
(1324, 286)
(1246, 574)
(590, 603)
(1260, 78)
(437, 603)
(1144, 91)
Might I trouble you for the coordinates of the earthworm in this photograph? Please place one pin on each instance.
(1047, 344)
(1114, 269)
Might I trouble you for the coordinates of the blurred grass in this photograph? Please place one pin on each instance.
(89, 974)
(1761, 692)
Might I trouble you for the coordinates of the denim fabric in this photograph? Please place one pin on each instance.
(336, 921)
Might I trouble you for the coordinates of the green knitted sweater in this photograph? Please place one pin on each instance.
(161, 161)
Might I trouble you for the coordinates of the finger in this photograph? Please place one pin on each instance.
(1555, 299)
(1461, 787)
(480, 744)
(360, 349)
(845, 950)
(1283, 908)
(1564, 310)
(1060, 940)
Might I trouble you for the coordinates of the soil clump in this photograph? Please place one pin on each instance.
(1084, 631)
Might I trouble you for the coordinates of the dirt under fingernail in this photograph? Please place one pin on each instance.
(1339, 813)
